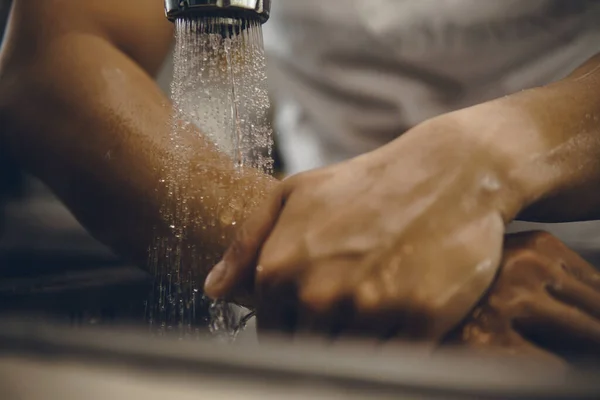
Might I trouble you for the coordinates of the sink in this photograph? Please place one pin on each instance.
(93, 363)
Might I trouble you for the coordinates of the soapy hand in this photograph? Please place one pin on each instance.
(545, 302)
(405, 239)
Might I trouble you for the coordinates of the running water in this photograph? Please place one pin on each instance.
(219, 89)
(220, 86)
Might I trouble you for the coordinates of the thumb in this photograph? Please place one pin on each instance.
(236, 269)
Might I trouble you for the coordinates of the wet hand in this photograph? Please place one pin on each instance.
(405, 239)
(545, 302)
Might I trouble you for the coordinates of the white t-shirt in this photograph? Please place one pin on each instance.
(349, 76)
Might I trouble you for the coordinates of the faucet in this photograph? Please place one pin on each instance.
(225, 10)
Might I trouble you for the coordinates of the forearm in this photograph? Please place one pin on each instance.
(93, 125)
(549, 138)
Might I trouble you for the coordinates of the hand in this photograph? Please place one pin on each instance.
(545, 302)
(404, 239)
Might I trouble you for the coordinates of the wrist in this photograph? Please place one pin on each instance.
(493, 145)
(549, 141)
(512, 142)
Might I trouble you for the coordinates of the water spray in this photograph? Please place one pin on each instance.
(219, 87)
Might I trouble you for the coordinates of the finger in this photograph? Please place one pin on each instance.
(582, 270)
(561, 328)
(492, 335)
(324, 300)
(376, 315)
(276, 315)
(326, 323)
(571, 262)
(577, 294)
(384, 329)
(276, 302)
(518, 347)
(236, 268)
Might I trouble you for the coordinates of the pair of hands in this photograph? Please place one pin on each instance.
(399, 243)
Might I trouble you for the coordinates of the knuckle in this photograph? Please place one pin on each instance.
(542, 235)
(522, 260)
(524, 279)
(523, 305)
(274, 285)
(507, 306)
(317, 301)
(272, 273)
(496, 302)
(546, 239)
(267, 273)
(272, 262)
(528, 240)
(367, 298)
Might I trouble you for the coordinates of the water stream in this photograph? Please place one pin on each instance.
(219, 93)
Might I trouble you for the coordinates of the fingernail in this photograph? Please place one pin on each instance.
(215, 276)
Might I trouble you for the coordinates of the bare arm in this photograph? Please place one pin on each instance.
(84, 114)
(551, 137)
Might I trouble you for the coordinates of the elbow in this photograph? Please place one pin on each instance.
(137, 29)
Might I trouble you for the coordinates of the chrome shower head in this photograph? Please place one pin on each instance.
(227, 9)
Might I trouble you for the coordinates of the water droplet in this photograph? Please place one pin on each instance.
(219, 89)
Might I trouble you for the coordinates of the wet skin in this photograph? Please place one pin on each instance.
(411, 232)
(545, 303)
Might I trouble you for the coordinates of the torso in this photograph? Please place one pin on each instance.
(351, 75)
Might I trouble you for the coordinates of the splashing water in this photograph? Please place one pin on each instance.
(219, 86)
